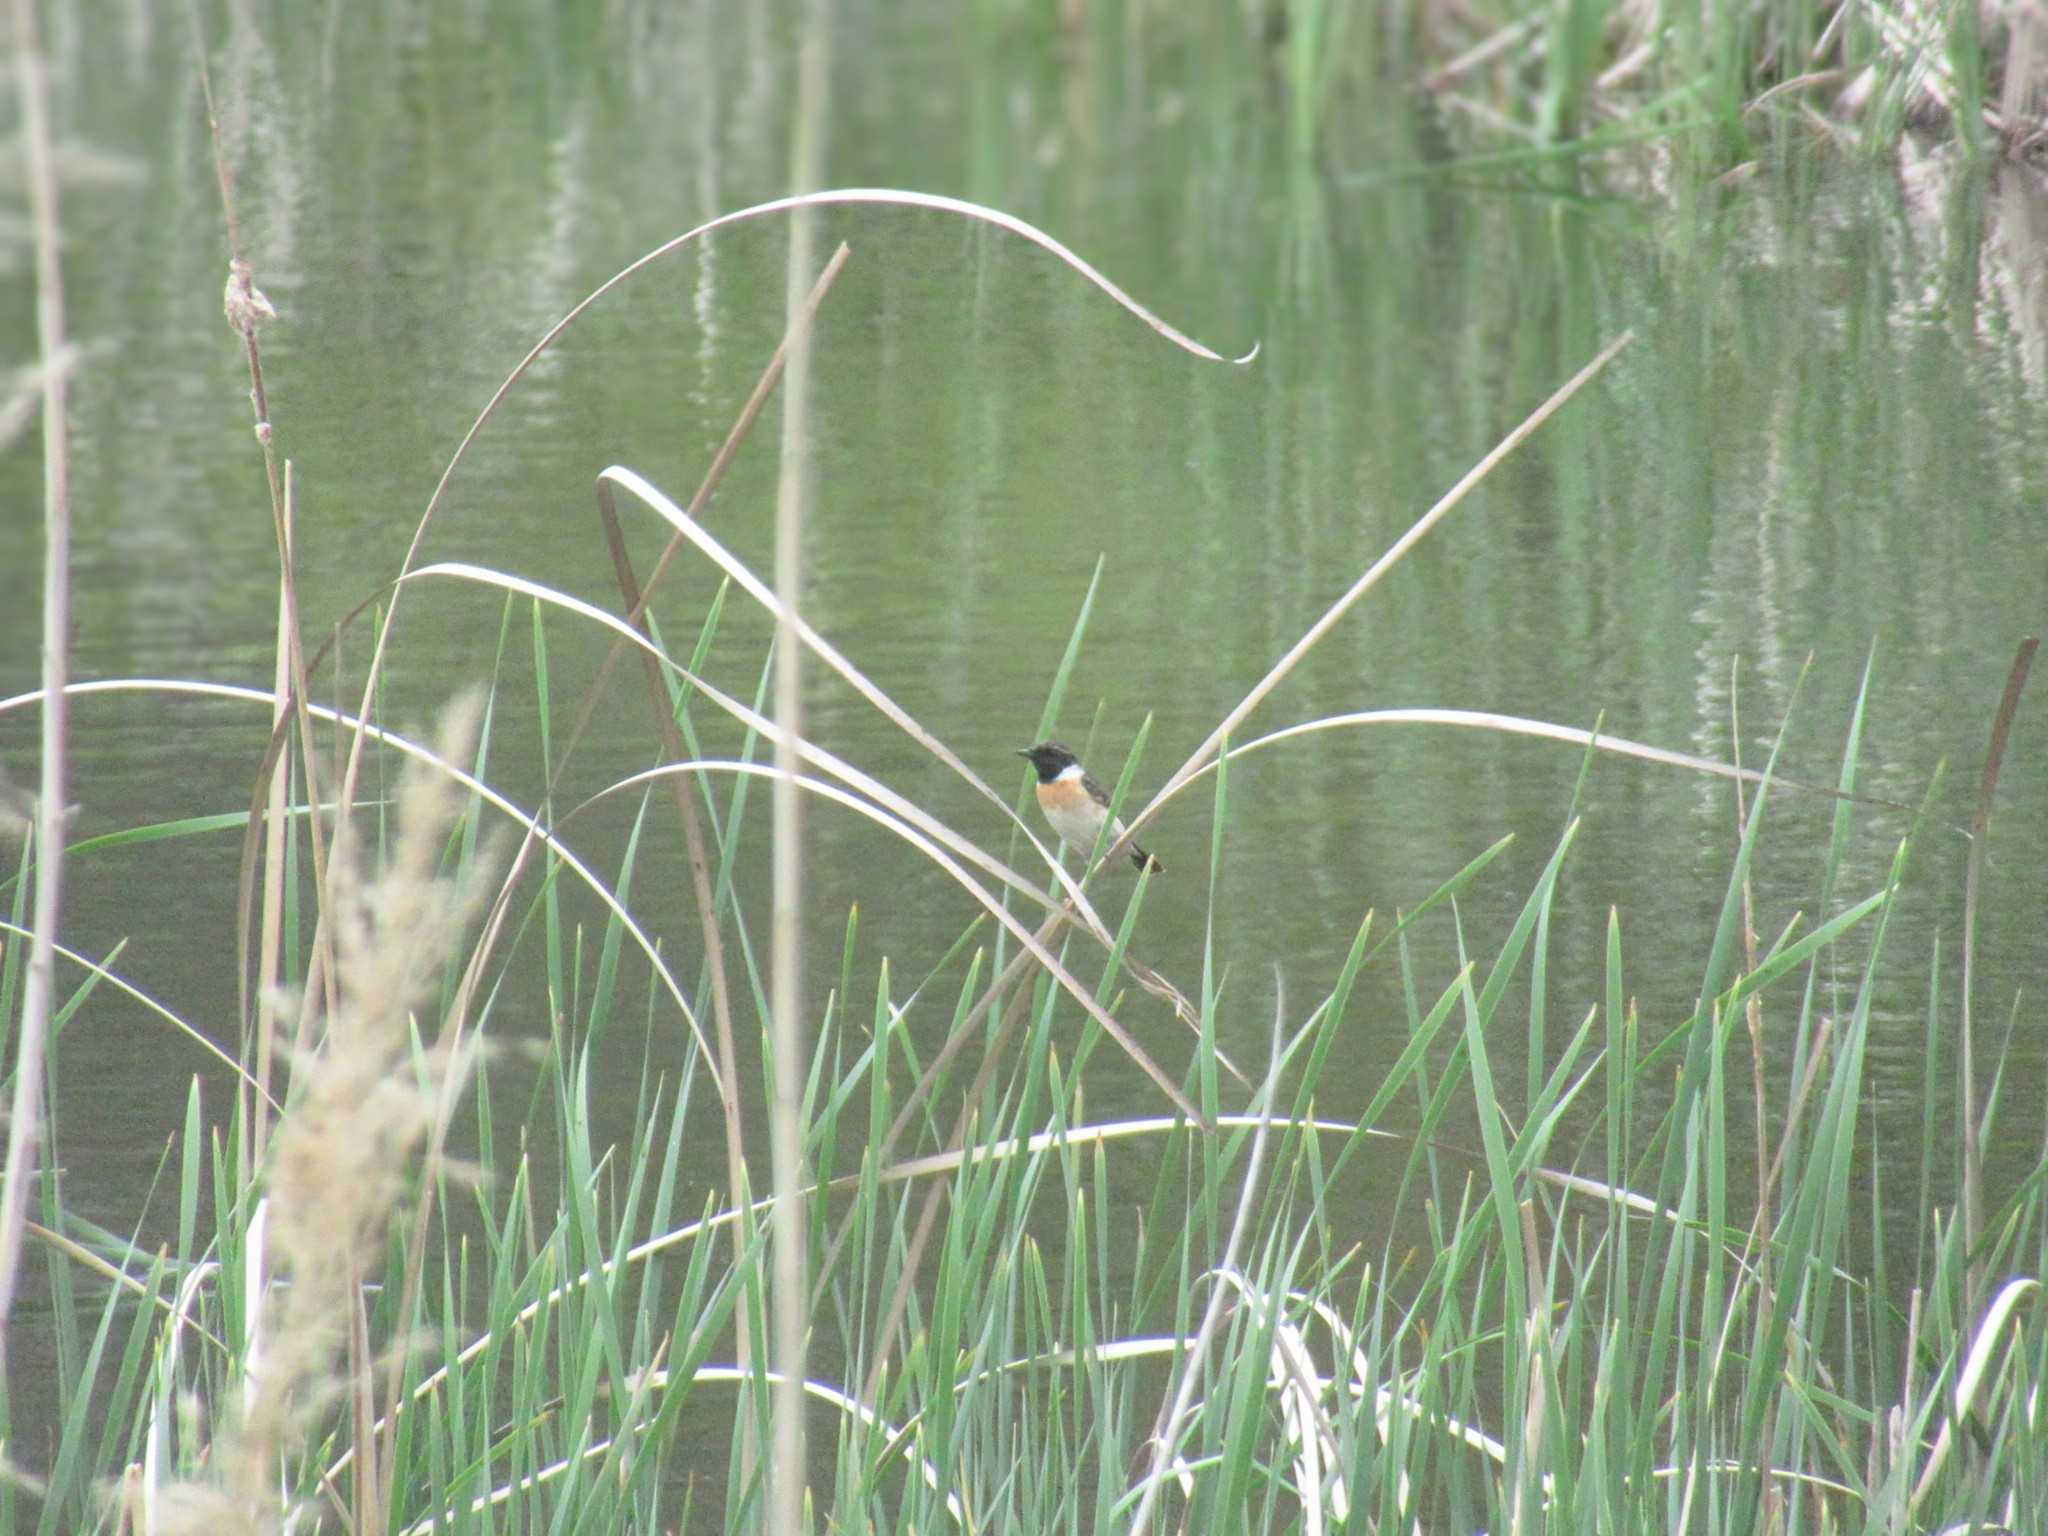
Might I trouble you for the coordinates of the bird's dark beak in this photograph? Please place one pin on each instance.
(1023, 751)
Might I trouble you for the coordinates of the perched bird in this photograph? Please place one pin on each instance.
(1074, 803)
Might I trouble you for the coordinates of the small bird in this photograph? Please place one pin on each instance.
(1074, 803)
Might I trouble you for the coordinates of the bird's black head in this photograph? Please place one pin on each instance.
(1050, 759)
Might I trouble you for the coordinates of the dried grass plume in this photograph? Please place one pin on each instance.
(345, 1151)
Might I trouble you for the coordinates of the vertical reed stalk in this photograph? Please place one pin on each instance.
(270, 942)
(635, 597)
(23, 1125)
(1966, 1066)
(247, 310)
(791, 1292)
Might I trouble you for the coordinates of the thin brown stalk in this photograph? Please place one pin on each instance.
(1819, 1057)
(691, 821)
(369, 1487)
(1973, 873)
(726, 1078)
(1753, 1008)
(247, 310)
(1753, 1018)
(24, 1127)
(271, 929)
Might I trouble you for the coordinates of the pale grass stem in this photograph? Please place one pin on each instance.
(24, 1127)
(789, 1043)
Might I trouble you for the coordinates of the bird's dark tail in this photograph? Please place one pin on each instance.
(1142, 859)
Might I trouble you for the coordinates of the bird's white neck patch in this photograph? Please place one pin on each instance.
(1071, 774)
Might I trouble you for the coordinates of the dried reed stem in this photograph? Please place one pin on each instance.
(1966, 1065)
(24, 1124)
(791, 1324)
(247, 310)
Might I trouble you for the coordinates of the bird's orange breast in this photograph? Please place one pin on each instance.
(1065, 797)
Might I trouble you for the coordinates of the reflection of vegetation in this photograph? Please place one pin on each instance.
(1729, 82)
(1753, 74)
